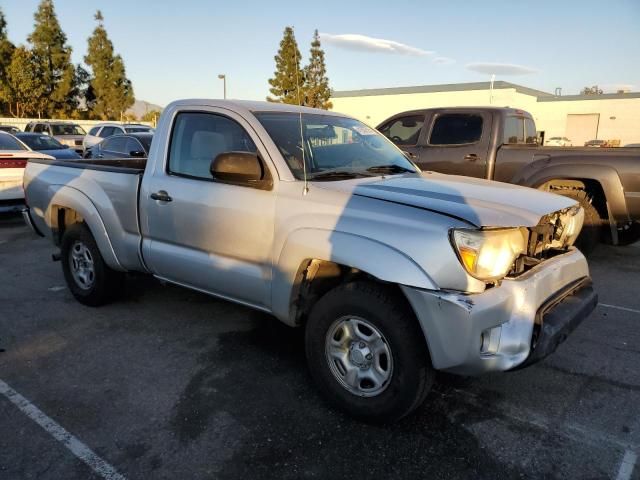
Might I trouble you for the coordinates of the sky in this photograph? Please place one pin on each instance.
(176, 50)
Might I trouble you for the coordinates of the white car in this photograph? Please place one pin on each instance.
(13, 159)
(558, 142)
(104, 130)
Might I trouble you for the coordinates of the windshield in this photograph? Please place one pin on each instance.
(7, 142)
(67, 129)
(41, 142)
(332, 144)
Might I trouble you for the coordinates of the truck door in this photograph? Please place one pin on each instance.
(201, 233)
(457, 143)
(405, 132)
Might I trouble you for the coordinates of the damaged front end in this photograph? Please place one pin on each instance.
(553, 235)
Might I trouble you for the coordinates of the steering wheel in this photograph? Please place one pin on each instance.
(396, 139)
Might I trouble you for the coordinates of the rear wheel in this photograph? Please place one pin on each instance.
(367, 352)
(591, 233)
(89, 278)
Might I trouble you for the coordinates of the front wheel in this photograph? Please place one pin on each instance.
(89, 278)
(367, 353)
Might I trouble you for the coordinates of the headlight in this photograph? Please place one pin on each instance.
(489, 254)
(573, 226)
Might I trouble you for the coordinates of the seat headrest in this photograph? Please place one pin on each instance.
(205, 144)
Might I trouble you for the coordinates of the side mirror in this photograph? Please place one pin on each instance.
(137, 154)
(65, 146)
(240, 168)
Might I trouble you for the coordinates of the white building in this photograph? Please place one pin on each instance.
(611, 116)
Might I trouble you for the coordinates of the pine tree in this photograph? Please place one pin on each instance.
(25, 84)
(110, 92)
(53, 54)
(83, 80)
(6, 53)
(288, 75)
(317, 92)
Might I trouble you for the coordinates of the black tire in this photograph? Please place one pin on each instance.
(412, 374)
(591, 234)
(106, 283)
(632, 235)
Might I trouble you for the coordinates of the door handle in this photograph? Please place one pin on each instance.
(472, 157)
(161, 196)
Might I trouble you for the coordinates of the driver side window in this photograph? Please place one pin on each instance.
(198, 138)
(404, 130)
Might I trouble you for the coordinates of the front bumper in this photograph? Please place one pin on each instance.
(512, 325)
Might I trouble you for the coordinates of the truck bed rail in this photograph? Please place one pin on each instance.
(119, 165)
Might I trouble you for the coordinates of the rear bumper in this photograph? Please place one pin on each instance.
(26, 215)
(11, 192)
(512, 325)
(11, 187)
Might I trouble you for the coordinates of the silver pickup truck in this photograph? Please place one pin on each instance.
(321, 221)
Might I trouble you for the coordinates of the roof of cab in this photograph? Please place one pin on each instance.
(250, 106)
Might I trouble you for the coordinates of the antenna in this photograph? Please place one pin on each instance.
(305, 189)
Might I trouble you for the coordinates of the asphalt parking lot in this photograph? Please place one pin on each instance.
(169, 383)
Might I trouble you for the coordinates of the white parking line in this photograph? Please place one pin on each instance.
(74, 445)
(616, 307)
(626, 466)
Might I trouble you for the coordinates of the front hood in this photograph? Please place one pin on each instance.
(480, 202)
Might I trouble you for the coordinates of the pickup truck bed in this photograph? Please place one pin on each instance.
(114, 185)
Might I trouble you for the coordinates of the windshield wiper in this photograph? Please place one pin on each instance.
(391, 168)
(337, 174)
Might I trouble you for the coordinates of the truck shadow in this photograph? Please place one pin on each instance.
(288, 432)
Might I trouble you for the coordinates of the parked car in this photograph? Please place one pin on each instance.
(9, 129)
(500, 144)
(632, 145)
(393, 273)
(13, 159)
(134, 145)
(105, 130)
(559, 142)
(595, 143)
(48, 145)
(67, 133)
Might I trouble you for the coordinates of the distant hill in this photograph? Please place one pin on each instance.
(140, 107)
